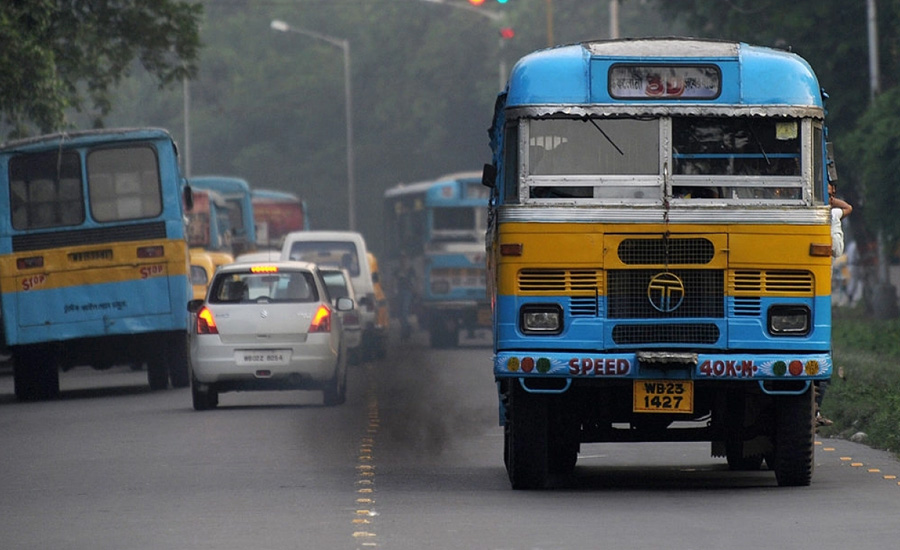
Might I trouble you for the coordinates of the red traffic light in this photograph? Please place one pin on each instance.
(476, 2)
(506, 33)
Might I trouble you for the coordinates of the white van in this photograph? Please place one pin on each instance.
(345, 249)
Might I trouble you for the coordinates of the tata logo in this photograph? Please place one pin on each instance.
(665, 292)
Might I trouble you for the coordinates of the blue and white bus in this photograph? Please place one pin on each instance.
(439, 226)
(93, 256)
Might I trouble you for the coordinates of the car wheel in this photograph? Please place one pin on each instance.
(335, 393)
(204, 399)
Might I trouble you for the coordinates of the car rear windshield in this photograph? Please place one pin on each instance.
(333, 253)
(249, 287)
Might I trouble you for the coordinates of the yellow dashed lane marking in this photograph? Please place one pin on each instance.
(862, 464)
(366, 471)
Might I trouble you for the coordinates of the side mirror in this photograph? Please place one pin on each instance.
(188, 198)
(194, 305)
(345, 304)
(489, 176)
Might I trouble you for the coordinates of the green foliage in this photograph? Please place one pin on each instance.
(64, 54)
(269, 106)
(864, 394)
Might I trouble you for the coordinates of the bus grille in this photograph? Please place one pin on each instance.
(560, 280)
(772, 282)
(94, 235)
(666, 251)
(627, 294)
(691, 333)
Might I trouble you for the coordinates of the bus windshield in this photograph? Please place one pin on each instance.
(737, 158)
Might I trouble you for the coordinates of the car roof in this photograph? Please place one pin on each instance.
(324, 236)
(280, 264)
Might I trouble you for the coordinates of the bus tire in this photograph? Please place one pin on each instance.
(158, 370)
(528, 439)
(179, 360)
(35, 374)
(794, 439)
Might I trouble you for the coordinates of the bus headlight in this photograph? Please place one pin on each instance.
(541, 319)
(789, 320)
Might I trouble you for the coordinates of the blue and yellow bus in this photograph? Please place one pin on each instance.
(659, 253)
(439, 226)
(237, 195)
(93, 256)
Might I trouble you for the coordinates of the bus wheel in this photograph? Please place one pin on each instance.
(35, 374)
(178, 361)
(158, 370)
(794, 439)
(528, 454)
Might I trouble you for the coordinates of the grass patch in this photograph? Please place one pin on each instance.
(864, 394)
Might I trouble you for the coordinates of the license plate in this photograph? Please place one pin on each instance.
(262, 357)
(663, 396)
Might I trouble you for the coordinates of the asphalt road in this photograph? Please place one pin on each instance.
(413, 460)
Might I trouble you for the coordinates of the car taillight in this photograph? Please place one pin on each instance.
(321, 321)
(351, 318)
(206, 323)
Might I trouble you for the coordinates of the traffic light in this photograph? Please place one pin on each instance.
(476, 2)
(507, 32)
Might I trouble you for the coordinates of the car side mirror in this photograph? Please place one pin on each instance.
(345, 304)
(194, 305)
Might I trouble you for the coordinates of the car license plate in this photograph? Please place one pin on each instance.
(262, 357)
(664, 396)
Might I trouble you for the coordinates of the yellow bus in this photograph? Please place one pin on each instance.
(659, 253)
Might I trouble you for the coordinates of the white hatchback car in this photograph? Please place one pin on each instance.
(268, 326)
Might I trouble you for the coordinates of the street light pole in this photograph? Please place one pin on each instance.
(344, 45)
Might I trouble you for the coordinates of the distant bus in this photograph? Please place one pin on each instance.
(236, 193)
(277, 213)
(93, 257)
(439, 225)
(209, 221)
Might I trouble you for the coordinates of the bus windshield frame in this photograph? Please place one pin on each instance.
(668, 159)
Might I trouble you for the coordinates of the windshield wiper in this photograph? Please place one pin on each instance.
(609, 139)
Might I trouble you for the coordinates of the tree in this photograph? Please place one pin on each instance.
(57, 55)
